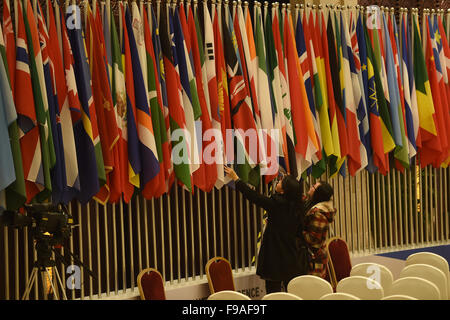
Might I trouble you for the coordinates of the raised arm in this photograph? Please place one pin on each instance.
(251, 195)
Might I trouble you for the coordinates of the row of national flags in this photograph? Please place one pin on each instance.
(97, 103)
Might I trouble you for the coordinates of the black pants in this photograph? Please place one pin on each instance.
(275, 286)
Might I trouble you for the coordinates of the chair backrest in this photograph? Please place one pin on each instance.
(415, 287)
(375, 271)
(309, 287)
(427, 272)
(433, 259)
(339, 261)
(429, 258)
(281, 296)
(220, 274)
(362, 287)
(151, 285)
(339, 296)
(228, 295)
(398, 297)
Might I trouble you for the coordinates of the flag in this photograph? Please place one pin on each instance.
(180, 146)
(162, 97)
(442, 77)
(211, 81)
(270, 169)
(305, 139)
(134, 159)
(430, 146)
(206, 177)
(40, 99)
(198, 98)
(191, 103)
(398, 125)
(8, 115)
(359, 45)
(89, 152)
(379, 130)
(223, 97)
(327, 140)
(30, 144)
(15, 194)
(337, 110)
(58, 172)
(241, 114)
(444, 54)
(273, 73)
(382, 90)
(348, 94)
(158, 185)
(146, 165)
(439, 100)
(286, 119)
(411, 113)
(64, 106)
(305, 63)
(107, 125)
(320, 111)
(119, 98)
(244, 32)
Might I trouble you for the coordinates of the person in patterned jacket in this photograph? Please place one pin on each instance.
(320, 212)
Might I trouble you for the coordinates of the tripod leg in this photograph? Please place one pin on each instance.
(30, 284)
(60, 283)
(51, 282)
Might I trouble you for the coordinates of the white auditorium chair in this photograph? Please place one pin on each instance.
(375, 271)
(433, 259)
(427, 272)
(361, 287)
(415, 287)
(309, 287)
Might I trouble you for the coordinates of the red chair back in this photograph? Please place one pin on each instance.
(339, 262)
(220, 275)
(151, 285)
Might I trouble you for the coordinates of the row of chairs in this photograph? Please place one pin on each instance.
(425, 276)
(218, 271)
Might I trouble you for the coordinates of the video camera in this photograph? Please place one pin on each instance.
(50, 225)
(47, 221)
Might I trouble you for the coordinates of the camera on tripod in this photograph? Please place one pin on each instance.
(50, 225)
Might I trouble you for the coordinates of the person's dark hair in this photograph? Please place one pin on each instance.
(292, 189)
(323, 193)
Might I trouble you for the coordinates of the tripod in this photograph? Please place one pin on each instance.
(43, 262)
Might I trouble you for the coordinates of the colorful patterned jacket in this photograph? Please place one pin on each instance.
(315, 233)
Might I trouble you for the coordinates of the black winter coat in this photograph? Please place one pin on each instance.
(278, 257)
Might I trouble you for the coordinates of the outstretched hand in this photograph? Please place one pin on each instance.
(231, 173)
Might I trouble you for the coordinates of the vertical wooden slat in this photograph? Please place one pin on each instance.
(99, 264)
(107, 262)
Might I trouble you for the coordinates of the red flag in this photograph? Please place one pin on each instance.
(205, 177)
(30, 145)
(441, 139)
(109, 134)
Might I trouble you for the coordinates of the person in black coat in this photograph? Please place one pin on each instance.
(278, 259)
